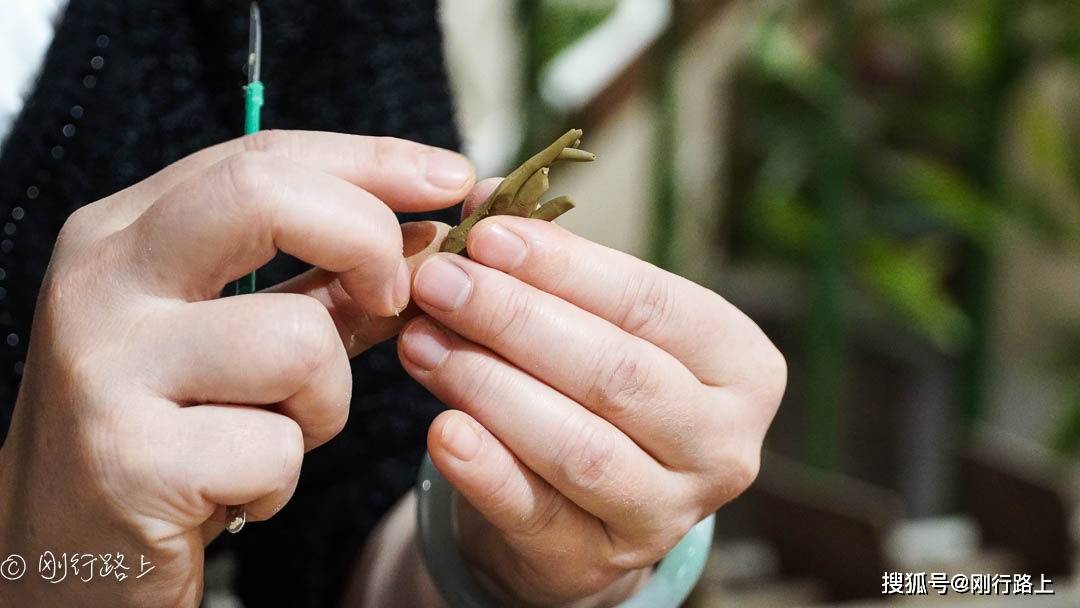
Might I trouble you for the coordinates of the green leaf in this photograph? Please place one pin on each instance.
(910, 280)
(947, 196)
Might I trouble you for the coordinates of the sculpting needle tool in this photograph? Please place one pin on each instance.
(236, 515)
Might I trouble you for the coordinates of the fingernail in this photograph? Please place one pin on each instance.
(447, 170)
(402, 283)
(496, 246)
(460, 439)
(424, 345)
(442, 284)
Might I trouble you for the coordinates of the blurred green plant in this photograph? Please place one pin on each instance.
(873, 148)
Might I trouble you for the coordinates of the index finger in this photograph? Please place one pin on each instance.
(406, 175)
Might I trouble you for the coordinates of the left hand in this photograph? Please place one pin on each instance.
(601, 406)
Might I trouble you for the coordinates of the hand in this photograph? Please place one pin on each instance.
(148, 403)
(602, 406)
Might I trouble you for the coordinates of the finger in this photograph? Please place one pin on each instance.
(634, 384)
(408, 176)
(536, 523)
(259, 349)
(715, 340)
(358, 328)
(479, 193)
(234, 217)
(232, 455)
(509, 495)
(581, 455)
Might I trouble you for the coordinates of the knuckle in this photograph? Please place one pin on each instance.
(292, 453)
(666, 539)
(383, 152)
(484, 390)
(655, 541)
(648, 302)
(77, 222)
(308, 335)
(745, 471)
(514, 309)
(732, 477)
(386, 234)
(618, 387)
(537, 522)
(584, 459)
(247, 173)
(78, 231)
(290, 438)
(774, 375)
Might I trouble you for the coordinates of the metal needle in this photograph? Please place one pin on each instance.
(236, 515)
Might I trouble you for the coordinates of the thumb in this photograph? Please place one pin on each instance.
(360, 329)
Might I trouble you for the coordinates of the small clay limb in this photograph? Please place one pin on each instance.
(576, 156)
(520, 192)
(553, 208)
(529, 196)
(456, 238)
(543, 158)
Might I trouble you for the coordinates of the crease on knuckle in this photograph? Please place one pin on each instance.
(247, 175)
(648, 302)
(381, 154)
(540, 519)
(512, 314)
(585, 456)
(621, 387)
(485, 384)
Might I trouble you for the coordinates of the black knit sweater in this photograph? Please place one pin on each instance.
(129, 86)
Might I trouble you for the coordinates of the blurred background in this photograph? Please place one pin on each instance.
(891, 188)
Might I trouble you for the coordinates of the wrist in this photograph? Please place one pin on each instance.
(390, 571)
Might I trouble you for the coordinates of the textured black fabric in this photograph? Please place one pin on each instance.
(168, 82)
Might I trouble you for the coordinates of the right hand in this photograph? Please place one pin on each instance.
(148, 402)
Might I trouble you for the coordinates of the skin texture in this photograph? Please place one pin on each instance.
(600, 406)
(131, 430)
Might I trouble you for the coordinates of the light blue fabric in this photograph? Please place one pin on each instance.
(668, 587)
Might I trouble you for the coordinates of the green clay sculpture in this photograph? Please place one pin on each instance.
(519, 194)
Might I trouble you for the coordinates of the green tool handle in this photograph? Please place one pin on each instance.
(253, 103)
